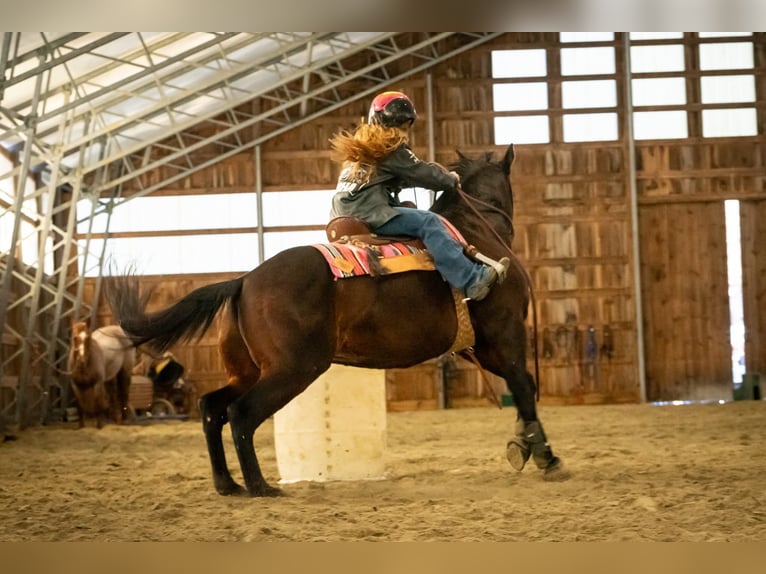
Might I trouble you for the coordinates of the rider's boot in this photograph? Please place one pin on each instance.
(492, 273)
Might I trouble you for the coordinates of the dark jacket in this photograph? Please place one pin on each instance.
(373, 198)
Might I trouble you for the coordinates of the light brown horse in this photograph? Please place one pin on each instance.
(289, 319)
(100, 366)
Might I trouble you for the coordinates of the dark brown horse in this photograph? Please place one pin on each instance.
(289, 319)
(100, 365)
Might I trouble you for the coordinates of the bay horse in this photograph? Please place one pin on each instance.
(100, 365)
(288, 320)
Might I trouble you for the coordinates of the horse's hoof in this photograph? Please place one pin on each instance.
(517, 453)
(232, 489)
(269, 491)
(555, 471)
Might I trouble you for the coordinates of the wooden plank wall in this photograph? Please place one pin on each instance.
(682, 187)
(753, 214)
(573, 232)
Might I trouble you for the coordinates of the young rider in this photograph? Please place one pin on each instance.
(377, 164)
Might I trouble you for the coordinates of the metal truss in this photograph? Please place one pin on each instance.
(81, 114)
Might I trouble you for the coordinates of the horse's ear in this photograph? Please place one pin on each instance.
(460, 154)
(508, 160)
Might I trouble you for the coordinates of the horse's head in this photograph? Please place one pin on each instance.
(487, 184)
(80, 338)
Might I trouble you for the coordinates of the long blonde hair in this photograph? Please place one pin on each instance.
(366, 145)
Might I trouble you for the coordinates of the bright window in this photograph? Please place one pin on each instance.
(589, 94)
(660, 125)
(586, 36)
(586, 61)
(720, 34)
(276, 242)
(161, 255)
(729, 123)
(655, 35)
(522, 130)
(729, 56)
(727, 89)
(590, 127)
(658, 91)
(522, 96)
(664, 58)
(203, 253)
(179, 212)
(297, 207)
(519, 63)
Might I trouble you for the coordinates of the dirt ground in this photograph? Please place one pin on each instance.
(639, 473)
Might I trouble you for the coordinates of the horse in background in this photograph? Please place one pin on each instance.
(100, 365)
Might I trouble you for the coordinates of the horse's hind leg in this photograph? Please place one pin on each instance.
(243, 373)
(212, 408)
(247, 413)
(122, 393)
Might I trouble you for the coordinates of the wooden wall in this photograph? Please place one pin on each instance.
(574, 232)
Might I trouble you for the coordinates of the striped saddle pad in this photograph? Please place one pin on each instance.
(352, 256)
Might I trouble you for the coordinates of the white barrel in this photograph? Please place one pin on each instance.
(335, 429)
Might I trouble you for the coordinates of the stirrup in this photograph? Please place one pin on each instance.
(501, 267)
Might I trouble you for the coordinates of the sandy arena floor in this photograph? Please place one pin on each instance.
(639, 473)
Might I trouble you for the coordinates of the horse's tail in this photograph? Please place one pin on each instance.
(186, 319)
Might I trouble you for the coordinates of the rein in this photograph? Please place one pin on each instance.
(473, 200)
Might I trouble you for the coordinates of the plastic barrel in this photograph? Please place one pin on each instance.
(335, 429)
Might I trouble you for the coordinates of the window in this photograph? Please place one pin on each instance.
(522, 129)
(664, 91)
(520, 97)
(658, 91)
(589, 94)
(514, 97)
(161, 255)
(656, 35)
(519, 63)
(169, 213)
(726, 56)
(297, 207)
(729, 123)
(660, 125)
(207, 252)
(590, 127)
(661, 58)
(586, 36)
(587, 61)
(724, 88)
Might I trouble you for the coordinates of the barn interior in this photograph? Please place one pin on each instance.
(639, 184)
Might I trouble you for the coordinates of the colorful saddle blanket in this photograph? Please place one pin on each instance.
(351, 257)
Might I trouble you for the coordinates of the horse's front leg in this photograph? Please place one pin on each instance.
(212, 407)
(530, 440)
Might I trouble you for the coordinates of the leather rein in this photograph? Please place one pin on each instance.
(470, 201)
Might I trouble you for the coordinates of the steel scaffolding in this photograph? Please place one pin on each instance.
(83, 113)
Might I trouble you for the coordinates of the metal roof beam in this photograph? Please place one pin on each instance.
(283, 126)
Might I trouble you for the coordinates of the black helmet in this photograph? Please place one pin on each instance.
(391, 109)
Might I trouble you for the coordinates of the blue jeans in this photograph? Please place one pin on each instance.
(456, 268)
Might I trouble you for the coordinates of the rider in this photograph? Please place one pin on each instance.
(377, 164)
